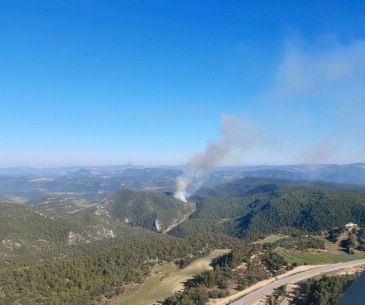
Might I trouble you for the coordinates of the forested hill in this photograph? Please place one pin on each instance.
(156, 211)
(240, 187)
(72, 257)
(253, 207)
(28, 229)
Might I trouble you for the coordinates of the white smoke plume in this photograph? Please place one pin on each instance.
(316, 82)
(235, 134)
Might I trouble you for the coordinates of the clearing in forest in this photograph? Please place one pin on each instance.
(167, 279)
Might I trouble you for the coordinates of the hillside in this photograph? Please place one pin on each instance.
(55, 257)
(254, 207)
(34, 234)
(153, 210)
(49, 226)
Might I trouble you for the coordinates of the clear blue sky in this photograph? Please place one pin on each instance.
(105, 82)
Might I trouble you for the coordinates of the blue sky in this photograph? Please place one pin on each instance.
(147, 82)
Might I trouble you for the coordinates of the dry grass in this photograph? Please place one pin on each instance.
(165, 280)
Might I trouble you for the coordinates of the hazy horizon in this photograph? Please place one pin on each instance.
(171, 165)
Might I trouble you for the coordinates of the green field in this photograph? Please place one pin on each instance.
(332, 254)
(165, 280)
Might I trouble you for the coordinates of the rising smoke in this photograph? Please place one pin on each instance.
(235, 134)
(324, 77)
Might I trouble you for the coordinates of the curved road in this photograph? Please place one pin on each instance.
(260, 293)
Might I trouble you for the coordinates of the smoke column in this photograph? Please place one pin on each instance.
(235, 134)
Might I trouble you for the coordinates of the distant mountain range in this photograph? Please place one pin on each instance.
(95, 183)
(77, 171)
(339, 173)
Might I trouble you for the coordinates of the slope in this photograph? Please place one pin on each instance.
(153, 210)
(253, 208)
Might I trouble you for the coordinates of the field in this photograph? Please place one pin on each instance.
(165, 280)
(332, 254)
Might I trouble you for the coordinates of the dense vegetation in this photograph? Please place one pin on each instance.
(82, 273)
(253, 208)
(325, 291)
(43, 263)
(306, 209)
(153, 210)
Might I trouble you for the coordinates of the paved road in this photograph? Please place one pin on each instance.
(258, 294)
